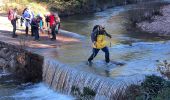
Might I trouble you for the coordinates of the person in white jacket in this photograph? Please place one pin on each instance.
(28, 16)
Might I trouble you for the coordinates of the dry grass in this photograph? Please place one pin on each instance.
(37, 8)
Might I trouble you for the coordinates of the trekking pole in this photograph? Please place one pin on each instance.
(110, 44)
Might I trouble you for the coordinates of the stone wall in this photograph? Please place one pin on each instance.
(24, 65)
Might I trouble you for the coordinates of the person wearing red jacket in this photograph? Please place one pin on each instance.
(54, 24)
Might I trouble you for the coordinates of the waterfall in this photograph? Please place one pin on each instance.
(62, 77)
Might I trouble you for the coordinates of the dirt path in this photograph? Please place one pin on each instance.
(44, 42)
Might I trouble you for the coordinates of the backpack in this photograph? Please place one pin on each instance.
(47, 19)
(10, 15)
(95, 33)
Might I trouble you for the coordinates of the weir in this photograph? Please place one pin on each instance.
(62, 78)
(31, 65)
(58, 76)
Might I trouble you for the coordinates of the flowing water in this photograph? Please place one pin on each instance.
(138, 50)
(12, 90)
(65, 66)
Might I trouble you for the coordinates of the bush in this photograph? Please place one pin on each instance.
(152, 88)
(153, 85)
(87, 94)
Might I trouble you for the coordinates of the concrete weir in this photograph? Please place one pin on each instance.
(30, 67)
(62, 78)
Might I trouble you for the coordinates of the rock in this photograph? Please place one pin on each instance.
(160, 25)
(3, 63)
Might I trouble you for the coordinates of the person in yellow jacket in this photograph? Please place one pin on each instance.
(98, 37)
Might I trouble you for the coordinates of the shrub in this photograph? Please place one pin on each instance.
(153, 85)
(164, 68)
(87, 94)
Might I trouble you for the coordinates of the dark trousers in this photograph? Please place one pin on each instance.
(95, 51)
(53, 32)
(35, 31)
(32, 33)
(13, 22)
(26, 30)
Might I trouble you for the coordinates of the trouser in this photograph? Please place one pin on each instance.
(21, 20)
(53, 32)
(35, 31)
(13, 22)
(27, 24)
(32, 33)
(95, 52)
(26, 30)
(47, 23)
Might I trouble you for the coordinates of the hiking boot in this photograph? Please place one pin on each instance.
(14, 36)
(53, 39)
(108, 64)
(89, 63)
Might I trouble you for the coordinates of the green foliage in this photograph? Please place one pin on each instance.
(87, 93)
(152, 88)
(164, 95)
(133, 92)
(153, 85)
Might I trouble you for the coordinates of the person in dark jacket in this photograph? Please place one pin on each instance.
(35, 28)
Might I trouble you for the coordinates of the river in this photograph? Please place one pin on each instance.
(138, 50)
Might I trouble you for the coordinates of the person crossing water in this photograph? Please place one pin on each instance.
(98, 38)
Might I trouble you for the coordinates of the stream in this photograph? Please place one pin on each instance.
(138, 50)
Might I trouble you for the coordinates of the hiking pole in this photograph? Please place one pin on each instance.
(110, 44)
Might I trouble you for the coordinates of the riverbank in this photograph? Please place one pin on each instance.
(158, 24)
(73, 7)
(66, 7)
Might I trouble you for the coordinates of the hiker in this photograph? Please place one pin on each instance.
(41, 23)
(47, 19)
(57, 19)
(99, 43)
(28, 16)
(12, 16)
(54, 25)
(35, 27)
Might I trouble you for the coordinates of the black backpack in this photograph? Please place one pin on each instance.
(47, 19)
(95, 32)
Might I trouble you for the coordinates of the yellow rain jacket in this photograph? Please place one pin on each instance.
(101, 42)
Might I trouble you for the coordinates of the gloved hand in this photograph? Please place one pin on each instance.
(110, 36)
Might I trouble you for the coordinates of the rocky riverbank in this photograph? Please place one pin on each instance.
(158, 24)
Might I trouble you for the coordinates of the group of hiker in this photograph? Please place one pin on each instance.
(52, 20)
(35, 23)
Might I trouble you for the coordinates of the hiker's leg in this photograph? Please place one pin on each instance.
(36, 33)
(26, 30)
(13, 22)
(95, 51)
(106, 50)
(53, 32)
(27, 27)
(32, 33)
